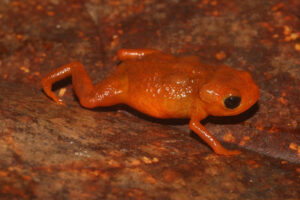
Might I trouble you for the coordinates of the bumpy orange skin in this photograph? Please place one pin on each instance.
(164, 86)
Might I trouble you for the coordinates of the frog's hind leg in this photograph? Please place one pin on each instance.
(104, 93)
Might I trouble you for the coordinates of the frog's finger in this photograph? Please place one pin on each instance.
(227, 152)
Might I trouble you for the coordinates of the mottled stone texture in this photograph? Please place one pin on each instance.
(68, 152)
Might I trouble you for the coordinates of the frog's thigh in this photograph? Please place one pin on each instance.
(106, 93)
(128, 54)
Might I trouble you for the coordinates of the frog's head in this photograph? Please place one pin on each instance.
(229, 92)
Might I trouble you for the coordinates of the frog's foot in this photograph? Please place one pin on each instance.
(60, 102)
(227, 152)
(52, 95)
(210, 139)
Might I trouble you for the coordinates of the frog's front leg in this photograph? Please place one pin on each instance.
(129, 54)
(105, 93)
(205, 135)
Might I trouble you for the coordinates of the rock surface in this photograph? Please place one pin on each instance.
(68, 152)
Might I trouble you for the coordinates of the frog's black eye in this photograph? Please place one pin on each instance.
(232, 102)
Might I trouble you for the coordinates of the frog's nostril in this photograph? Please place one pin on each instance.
(232, 102)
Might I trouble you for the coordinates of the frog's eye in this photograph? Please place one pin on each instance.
(232, 102)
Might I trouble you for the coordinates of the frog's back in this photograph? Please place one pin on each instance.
(162, 85)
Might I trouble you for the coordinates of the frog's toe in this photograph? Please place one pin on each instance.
(53, 96)
(60, 102)
(227, 152)
(233, 153)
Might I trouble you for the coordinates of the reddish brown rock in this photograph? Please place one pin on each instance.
(51, 152)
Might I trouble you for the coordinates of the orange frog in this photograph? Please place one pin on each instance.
(164, 86)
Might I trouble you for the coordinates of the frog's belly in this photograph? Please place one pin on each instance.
(161, 107)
